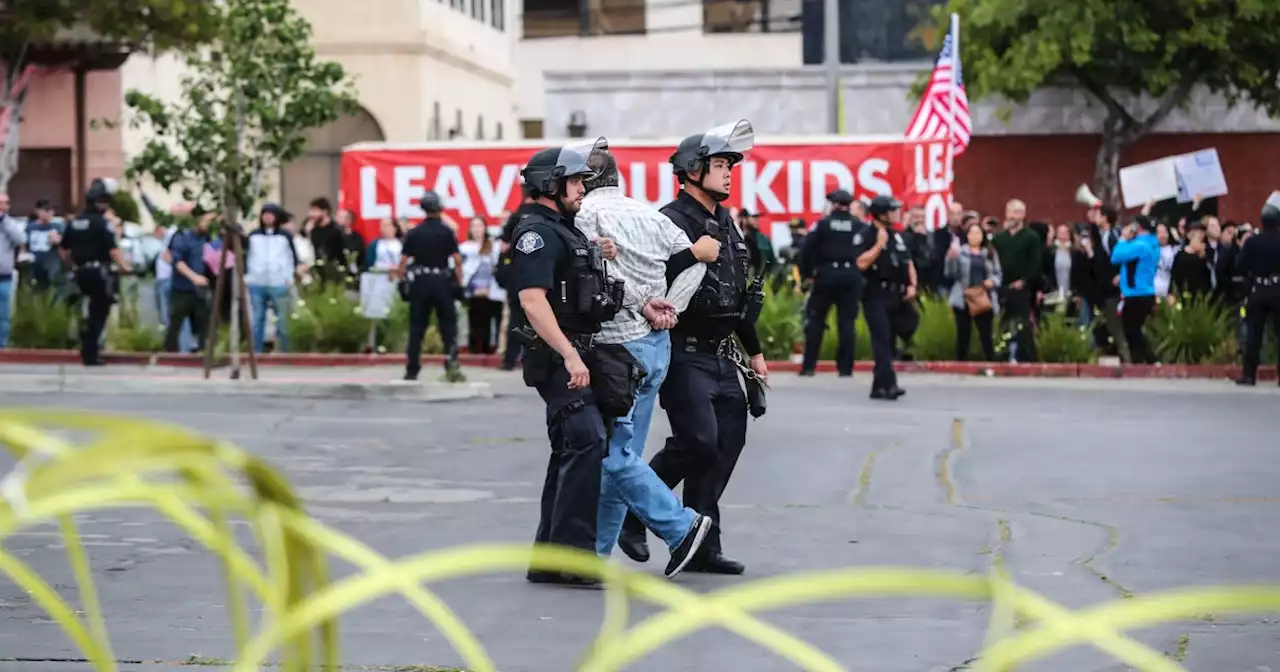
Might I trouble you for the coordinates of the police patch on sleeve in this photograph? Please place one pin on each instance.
(530, 242)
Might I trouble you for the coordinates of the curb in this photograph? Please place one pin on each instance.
(283, 389)
(999, 370)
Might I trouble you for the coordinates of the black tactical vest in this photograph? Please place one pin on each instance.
(838, 240)
(722, 295)
(582, 296)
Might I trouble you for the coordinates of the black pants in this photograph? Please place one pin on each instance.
(707, 409)
(512, 353)
(93, 287)
(964, 331)
(571, 491)
(877, 302)
(430, 294)
(1263, 304)
(1133, 316)
(483, 316)
(184, 305)
(841, 288)
(1017, 315)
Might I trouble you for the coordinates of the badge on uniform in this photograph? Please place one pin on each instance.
(857, 239)
(529, 243)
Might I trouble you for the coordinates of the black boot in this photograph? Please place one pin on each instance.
(1247, 380)
(634, 539)
(711, 559)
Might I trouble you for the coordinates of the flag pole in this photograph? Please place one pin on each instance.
(955, 84)
(831, 62)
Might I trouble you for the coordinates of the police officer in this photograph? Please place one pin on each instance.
(891, 279)
(1259, 262)
(565, 296)
(705, 401)
(88, 248)
(829, 257)
(431, 286)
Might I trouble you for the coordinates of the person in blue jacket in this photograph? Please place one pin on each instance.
(1138, 256)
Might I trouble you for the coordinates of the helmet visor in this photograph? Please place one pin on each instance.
(734, 138)
(573, 158)
(1274, 201)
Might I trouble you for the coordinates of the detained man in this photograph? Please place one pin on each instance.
(650, 253)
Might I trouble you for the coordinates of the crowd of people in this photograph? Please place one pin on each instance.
(1002, 275)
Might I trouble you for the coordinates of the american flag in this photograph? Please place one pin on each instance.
(943, 115)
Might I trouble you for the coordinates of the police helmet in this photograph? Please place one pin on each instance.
(101, 190)
(883, 205)
(1271, 213)
(548, 169)
(430, 203)
(840, 197)
(730, 141)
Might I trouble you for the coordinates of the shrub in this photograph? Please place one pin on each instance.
(781, 324)
(41, 320)
(935, 340)
(1060, 341)
(1189, 331)
(135, 338)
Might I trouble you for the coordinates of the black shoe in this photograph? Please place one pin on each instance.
(635, 546)
(1246, 381)
(896, 391)
(688, 548)
(715, 564)
(410, 375)
(846, 374)
(807, 374)
(96, 362)
(883, 393)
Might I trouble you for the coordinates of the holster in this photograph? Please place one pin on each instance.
(537, 365)
(756, 401)
(615, 378)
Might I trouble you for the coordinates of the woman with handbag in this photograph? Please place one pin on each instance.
(973, 269)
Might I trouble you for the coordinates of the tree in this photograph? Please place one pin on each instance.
(136, 25)
(251, 97)
(1140, 59)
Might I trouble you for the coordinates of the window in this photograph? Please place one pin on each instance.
(497, 132)
(458, 4)
(498, 15)
(616, 17)
(477, 9)
(457, 123)
(480, 127)
(735, 16)
(552, 18)
(435, 133)
(531, 129)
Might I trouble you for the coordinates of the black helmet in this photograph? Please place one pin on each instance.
(730, 141)
(1271, 213)
(101, 190)
(430, 203)
(840, 197)
(546, 170)
(883, 205)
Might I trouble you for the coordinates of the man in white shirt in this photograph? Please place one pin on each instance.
(652, 252)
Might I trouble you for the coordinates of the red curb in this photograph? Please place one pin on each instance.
(324, 360)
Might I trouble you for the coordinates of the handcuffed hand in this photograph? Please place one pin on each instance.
(660, 313)
(758, 365)
(608, 248)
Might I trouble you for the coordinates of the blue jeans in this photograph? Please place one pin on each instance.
(186, 341)
(627, 481)
(6, 310)
(278, 298)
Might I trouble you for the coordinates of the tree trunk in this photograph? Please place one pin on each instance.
(10, 116)
(1106, 171)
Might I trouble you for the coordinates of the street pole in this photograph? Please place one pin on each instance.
(831, 60)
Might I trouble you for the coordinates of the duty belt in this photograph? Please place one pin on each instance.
(893, 286)
(841, 264)
(1269, 281)
(711, 346)
(91, 264)
(416, 271)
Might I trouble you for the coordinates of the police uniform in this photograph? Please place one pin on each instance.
(1259, 262)
(829, 256)
(431, 286)
(550, 253)
(886, 280)
(705, 402)
(89, 242)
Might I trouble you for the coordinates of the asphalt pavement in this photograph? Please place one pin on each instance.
(1087, 490)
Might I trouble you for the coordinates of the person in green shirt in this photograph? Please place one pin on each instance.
(1020, 250)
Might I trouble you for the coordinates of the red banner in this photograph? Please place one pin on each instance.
(778, 181)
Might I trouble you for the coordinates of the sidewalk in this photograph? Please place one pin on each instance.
(356, 384)
(367, 365)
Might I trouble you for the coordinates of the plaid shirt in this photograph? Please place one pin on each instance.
(645, 238)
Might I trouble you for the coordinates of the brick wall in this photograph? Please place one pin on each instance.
(1044, 171)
